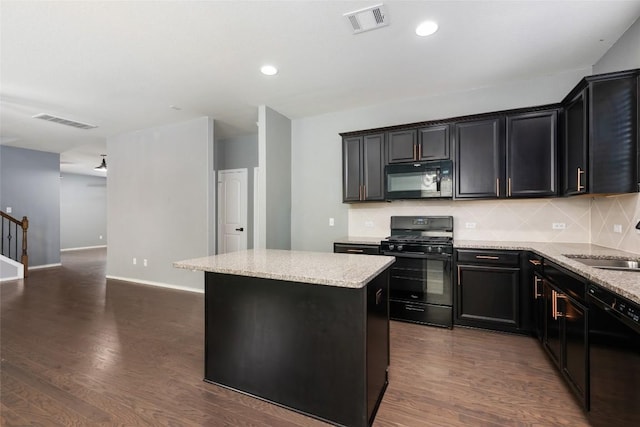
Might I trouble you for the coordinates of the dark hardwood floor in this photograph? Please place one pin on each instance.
(80, 350)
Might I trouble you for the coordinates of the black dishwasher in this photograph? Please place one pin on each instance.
(614, 341)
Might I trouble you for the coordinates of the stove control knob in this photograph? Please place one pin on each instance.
(400, 247)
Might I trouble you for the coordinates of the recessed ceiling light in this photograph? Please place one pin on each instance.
(426, 28)
(269, 70)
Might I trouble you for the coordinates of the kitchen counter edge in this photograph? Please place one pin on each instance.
(319, 268)
(624, 283)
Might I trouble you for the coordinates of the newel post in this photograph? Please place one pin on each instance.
(25, 258)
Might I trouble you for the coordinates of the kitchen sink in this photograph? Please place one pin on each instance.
(608, 263)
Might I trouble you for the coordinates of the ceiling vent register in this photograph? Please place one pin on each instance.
(63, 121)
(367, 19)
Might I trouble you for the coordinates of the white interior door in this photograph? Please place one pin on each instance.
(232, 210)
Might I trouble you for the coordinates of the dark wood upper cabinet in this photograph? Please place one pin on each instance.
(531, 159)
(433, 142)
(601, 154)
(575, 145)
(427, 143)
(363, 168)
(478, 158)
(402, 146)
(613, 135)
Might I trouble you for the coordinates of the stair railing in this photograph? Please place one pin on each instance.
(7, 223)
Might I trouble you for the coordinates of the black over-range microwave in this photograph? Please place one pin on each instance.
(419, 180)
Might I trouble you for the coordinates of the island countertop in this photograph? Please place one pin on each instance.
(320, 268)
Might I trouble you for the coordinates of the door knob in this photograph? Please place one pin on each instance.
(240, 229)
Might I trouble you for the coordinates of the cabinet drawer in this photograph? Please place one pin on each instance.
(489, 257)
(346, 248)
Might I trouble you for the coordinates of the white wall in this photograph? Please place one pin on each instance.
(30, 185)
(83, 211)
(274, 158)
(160, 202)
(317, 158)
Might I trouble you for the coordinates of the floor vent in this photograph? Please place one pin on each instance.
(62, 121)
(369, 18)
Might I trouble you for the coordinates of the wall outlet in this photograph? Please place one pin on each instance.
(135, 261)
(144, 262)
(469, 225)
(617, 228)
(558, 225)
(332, 222)
(368, 224)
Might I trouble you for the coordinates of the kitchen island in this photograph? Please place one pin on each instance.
(305, 330)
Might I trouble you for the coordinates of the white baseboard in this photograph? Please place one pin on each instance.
(38, 267)
(159, 284)
(82, 248)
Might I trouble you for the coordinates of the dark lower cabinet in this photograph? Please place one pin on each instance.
(356, 248)
(565, 328)
(489, 293)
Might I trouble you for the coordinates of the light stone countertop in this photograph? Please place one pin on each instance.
(625, 283)
(321, 268)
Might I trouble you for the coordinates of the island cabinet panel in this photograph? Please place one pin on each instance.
(479, 155)
(320, 350)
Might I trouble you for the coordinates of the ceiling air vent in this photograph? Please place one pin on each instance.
(368, 18)
(62, 121)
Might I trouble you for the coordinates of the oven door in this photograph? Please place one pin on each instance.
(424, 280)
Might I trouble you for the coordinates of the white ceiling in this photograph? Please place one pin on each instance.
(122, 64)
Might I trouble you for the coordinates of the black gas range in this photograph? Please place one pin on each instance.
(420, 288)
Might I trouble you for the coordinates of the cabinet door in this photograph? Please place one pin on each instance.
(373, 167)
(402, 146)
(613, 135)
(478, 156)
(574, 319)
(552, 334)
(351, 169)
(433, 143)
(488, 296)
(531, 154)
(575, 151)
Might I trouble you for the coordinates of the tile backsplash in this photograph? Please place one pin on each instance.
(576, 220)
(607, 213)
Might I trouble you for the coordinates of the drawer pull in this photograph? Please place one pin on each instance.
(357, 251)
(487, 257)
